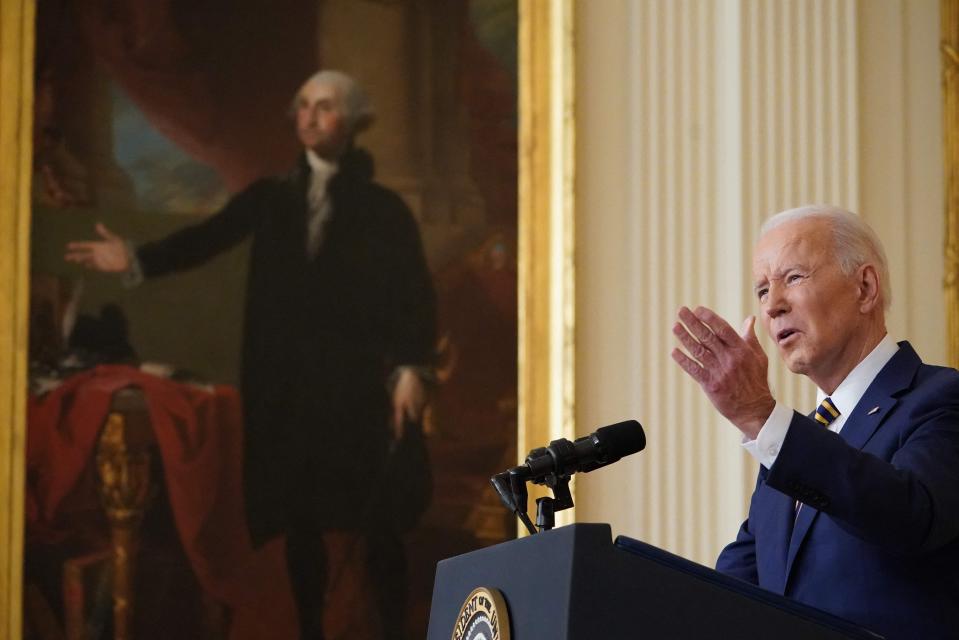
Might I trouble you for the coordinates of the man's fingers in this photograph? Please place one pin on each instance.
(690, 366)
(81, 257)
(717, 324)
(749, 330)
(749, 335)
(399, 413)
(398, 419)
(710, 329)
(413, 411)
(105, 233)
(694, 347)
(696, 327)
(82, 246)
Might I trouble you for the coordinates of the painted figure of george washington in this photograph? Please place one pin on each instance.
(338, 338)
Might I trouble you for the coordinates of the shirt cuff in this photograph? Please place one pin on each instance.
(765, 448)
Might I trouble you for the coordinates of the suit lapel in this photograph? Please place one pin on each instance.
(862, 423)
(781, 523)
(881, 397)
(803, 521)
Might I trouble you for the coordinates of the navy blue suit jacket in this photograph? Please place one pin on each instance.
(877, 541)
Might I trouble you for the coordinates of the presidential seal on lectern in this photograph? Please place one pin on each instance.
(483, 616)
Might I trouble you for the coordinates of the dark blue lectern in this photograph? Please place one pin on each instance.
(574, 583)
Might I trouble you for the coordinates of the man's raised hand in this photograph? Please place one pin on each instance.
(731, 368)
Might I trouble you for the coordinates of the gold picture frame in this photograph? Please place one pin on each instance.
(949, 45)
(545, 260)
(16, 83)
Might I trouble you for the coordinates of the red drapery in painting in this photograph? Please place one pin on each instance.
(489, 92)
(200, 438)
(216, 77)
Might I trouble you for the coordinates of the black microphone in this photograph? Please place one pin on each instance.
(553, 465)
(605, 446)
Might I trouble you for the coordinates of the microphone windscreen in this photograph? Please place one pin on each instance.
(621, 439)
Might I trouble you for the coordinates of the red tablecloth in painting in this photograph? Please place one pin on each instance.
(200, 438)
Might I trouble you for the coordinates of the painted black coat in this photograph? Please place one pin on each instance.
(320, 338)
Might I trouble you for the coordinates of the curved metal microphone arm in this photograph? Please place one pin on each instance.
(511, 487)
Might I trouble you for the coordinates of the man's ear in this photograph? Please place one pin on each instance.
(870, 295)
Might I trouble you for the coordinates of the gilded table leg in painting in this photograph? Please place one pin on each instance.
(123, 465)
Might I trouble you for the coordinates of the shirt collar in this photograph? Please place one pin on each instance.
(851, 389)
(320, 166)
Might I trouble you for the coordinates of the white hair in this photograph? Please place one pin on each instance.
(854, 241)
(356, 103)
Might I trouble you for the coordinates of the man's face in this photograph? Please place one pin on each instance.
(810, 308)
(320, 122)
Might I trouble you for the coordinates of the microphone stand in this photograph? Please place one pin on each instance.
(511, 487)
(547, 507)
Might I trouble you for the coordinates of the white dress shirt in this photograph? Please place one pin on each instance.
(318, 200)
(767, 444)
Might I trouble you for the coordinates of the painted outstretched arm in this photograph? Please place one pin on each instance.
(109, 254)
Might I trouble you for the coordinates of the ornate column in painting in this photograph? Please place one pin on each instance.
(123, 465)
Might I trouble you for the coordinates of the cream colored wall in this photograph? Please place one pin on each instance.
(900, 157)
(696, 119)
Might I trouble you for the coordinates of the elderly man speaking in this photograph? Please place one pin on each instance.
(856, 507)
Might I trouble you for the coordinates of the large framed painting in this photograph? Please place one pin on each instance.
(255, 391)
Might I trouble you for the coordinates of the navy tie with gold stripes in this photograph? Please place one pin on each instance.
(827, 412)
